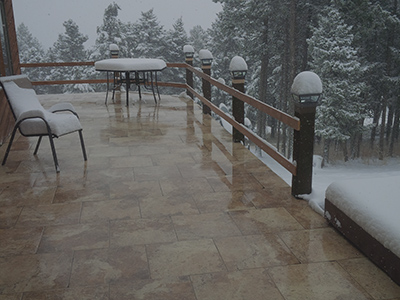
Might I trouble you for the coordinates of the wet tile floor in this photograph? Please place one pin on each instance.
(166, 207)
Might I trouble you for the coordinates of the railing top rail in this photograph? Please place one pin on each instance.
(285, 118)
(289, 120)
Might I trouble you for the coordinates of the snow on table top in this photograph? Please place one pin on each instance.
(372, 203)
(130, 64)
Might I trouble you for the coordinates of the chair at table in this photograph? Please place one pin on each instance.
(33, 120)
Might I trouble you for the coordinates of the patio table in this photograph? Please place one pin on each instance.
(145, 70)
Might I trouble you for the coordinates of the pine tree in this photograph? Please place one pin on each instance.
(31, 51)
(198, 38)
(335, 60)
(69, 47)
(112, 31)
(175, 39)
(151, 36)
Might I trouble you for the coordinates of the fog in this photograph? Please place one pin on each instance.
(44, 18)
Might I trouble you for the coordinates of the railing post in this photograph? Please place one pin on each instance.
(189, 53)
(238, 69)
(306, 92)
(206, 62)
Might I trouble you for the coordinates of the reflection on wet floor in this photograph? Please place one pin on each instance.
(166, 207)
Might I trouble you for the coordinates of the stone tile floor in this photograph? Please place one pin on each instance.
(166, 207)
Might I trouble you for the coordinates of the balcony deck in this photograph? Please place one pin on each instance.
(166, 207)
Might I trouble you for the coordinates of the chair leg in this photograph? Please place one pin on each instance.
(83, 145)
(37, 145)
(9, 145)
(53, 150)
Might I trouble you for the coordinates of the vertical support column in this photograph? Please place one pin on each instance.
(306, 91)
(10, 55)
(303, 150)
(238, 110)
(206, 62)
(238, 69)
(189, 53)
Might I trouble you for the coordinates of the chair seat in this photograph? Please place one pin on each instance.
(26, 104)
(33, 120)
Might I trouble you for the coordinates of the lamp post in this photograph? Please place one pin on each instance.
(238, 69)
(206, 62)
(189, 54)
(114, 51)
(306, 92)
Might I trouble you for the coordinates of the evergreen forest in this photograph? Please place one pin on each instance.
(353, 45)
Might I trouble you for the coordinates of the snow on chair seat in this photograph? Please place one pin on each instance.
(366, 212)
(33, 120)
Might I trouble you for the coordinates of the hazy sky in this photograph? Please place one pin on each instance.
(44, 18)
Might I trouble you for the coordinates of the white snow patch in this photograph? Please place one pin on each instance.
(306, 83)
(374, 204)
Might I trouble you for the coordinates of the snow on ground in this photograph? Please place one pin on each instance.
(364, 171)
(341, 171)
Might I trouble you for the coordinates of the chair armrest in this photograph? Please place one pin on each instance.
(30, 114)
(63, 107)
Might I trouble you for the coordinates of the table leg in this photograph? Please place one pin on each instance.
(138, 84)
(108, 86)
(127, 87)
(152, 86)
(158, 91)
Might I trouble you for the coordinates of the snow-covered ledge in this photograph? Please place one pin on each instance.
(366, 211)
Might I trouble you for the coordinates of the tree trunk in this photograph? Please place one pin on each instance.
(382, 130)
(327, 144)
(395, 131)
(261, 117)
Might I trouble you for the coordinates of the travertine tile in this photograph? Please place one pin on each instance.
(18, 195)
(318, 245)
(185, 186)
(99, 211)
(245, 284)
(75, 237)
(135, 189)
(11, 297)
(371, 278)
(82, 191)
(184, 258)
(141, 232)
(316, 281)
(131, 161)
(98, 292)
(222, 201)
(9, 215)
(254, 251)
(34, 272)
(209, 225)
(99, 267)
(156, 172)
(19, 241)
(268, 220)
(54, 214)
(305, 215)
(154, 207)
(166, 289)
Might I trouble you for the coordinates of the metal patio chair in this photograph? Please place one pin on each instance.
(33, 120)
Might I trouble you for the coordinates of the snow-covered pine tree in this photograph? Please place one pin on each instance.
(198, 38)
(31, 51)
(69, 47)
(112, 31)
(176, 38)
(151, 35)
(334, 58)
